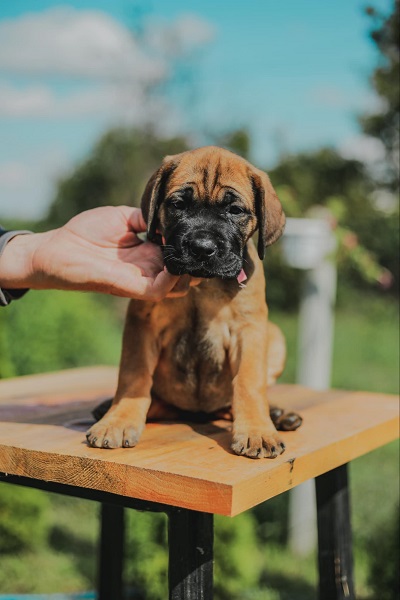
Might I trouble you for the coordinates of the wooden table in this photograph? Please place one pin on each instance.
(188, 470)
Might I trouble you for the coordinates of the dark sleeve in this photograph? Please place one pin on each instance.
(6, 296)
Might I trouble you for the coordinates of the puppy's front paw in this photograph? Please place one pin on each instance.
(258, 444)
(113, 432)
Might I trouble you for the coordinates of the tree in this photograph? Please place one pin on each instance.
(367, 237)
(384, 124)
(315, 177)
(115, 173)
(238, 141)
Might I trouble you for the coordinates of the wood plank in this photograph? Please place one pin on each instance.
(59, 384)
(183, 464)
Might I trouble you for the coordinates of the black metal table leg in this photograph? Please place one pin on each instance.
(110, 585)
(190, 539)
(335, 559)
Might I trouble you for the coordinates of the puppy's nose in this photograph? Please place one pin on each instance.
(202, 247)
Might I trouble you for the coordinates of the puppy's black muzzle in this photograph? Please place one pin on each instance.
(202, 253)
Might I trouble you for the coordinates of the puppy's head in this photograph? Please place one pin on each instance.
(205, 204)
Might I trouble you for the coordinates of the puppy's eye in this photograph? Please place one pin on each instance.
(179, 204)
(235, 209)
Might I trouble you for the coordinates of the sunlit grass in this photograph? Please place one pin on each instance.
(366, 346)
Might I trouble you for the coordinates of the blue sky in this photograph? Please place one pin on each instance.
(295, 72)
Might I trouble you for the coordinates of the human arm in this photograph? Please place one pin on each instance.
(98, 250)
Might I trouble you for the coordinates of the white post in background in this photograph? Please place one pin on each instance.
(309, 244)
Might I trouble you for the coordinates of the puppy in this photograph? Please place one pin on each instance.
(214, 348)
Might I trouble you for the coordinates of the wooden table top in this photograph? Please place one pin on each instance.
(43, 419)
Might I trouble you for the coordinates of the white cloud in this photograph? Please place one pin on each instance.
(128, 102)
(90, 44)
(180, 37)
(329, 96)
(63, 41)
(364, 148)
(26, 188)
(13, 174)
(339, 98)
(116, 74)
(32, 101)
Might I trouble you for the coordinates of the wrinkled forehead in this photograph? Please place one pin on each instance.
(209, 172)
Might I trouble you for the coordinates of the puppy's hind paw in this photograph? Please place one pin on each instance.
(285, 421)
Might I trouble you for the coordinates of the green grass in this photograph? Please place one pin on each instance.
(56, 330)
(65, 560)
(366, 346)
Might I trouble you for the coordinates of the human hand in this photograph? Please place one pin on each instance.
(98, 250)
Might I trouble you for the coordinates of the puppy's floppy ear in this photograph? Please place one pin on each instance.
(154, 193)
(269, 212)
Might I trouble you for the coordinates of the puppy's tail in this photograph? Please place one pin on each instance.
(276, 357)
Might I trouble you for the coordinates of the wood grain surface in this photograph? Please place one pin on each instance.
(43, 419)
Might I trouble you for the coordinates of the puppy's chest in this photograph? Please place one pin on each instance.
(193, 372)
(199, 347)
(200, 350)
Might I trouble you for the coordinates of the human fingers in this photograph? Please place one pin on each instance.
(194, 281)
(163, 286)
(127, 280)
(181, 287)
(134, 217)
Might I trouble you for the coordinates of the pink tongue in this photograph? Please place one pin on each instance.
(242, 276)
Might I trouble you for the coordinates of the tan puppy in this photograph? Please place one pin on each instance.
(213, 348)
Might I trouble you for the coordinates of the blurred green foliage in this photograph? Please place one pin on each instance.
(384, 564)
(384, 123)
(6, 366)
(58, 330)
(115, 173)
(324, 184)
(23, 519)
(238, 558)
(312, 178)
(147, 566)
